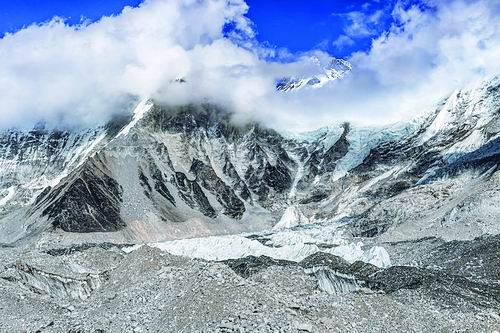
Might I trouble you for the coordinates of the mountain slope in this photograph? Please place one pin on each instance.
(188, 171)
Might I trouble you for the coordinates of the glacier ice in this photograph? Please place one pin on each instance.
(292, 245)
(292, 217)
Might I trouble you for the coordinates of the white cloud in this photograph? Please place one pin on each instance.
(362, 24)
(430, 52)
(426, 54)
(81, 75)
(342, 41)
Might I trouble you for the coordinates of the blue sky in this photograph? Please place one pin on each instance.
(302, 25)
(16, 14)
(298, 25)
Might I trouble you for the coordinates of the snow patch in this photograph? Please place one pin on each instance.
(80, 155)
(443, 119)
(379, 178)
(378, 256)
(11, 191)
(472, 142)
(298, 174)
(352, 252)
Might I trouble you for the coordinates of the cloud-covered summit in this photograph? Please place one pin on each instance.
(81, 75)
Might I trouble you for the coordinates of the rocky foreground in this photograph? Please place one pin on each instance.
(448, 287)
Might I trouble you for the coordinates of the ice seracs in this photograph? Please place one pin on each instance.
(284, 244)
(292, 217)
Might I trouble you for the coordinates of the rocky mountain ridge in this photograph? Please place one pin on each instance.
(189, 171)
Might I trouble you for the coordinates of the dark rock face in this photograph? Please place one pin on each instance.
(189, 119)
(277, 177)
(145, 183)
(233, 206)
(316, 196)
(239, 185)
(38, 154)
(193, 195)
(485, 157)
(89, 202)
(246, 267)
(208, 123)
(159, 184)
(16, 144)
(265, 178)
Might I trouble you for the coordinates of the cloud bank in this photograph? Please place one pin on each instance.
(82, 75)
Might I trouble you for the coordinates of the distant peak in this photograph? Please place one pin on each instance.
(327, 70)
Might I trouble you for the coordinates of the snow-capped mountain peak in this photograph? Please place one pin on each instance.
(325, 71)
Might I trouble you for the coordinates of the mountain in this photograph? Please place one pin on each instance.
(177, 219)
(326, 71)
(170, 173)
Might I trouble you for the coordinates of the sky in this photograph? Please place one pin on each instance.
(78, 64)
(297, 25)
(300, 25)
(14, 15)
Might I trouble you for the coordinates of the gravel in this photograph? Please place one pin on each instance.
(149, 290)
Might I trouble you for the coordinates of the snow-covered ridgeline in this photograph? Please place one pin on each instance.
(472, 107)
(31, 161)
(141, 109)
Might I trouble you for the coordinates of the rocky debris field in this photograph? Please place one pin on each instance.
(101, 288)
